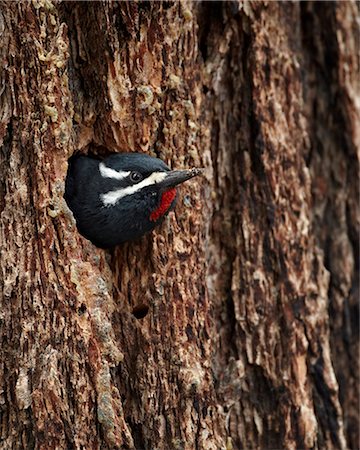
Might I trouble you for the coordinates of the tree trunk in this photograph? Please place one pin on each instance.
(234, 325)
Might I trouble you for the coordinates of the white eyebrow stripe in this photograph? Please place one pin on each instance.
(106, 172)
(110, 198)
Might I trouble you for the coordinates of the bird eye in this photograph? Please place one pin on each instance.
(135, 176)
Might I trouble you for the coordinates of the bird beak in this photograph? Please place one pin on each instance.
(176, 177)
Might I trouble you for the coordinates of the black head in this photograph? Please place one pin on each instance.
(122, 197)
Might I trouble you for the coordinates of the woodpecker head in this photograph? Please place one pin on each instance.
(121, 197)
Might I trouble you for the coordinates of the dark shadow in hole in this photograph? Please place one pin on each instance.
(82, 309)
(140, 311)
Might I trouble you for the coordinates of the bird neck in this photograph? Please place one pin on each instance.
(166, 200)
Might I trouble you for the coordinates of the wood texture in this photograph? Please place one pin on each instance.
(234, 325)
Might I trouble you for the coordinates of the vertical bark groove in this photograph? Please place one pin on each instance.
(235, 324)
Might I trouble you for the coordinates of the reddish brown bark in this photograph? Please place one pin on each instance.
(234, 325)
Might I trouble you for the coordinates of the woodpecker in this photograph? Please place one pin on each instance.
(121, 197)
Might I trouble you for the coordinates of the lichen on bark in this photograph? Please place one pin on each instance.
(234, 325)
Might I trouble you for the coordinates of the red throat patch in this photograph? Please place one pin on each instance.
(166, 199)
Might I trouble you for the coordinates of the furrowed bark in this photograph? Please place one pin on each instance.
(235, 324)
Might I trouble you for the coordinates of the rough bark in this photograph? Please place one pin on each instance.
(235, 325)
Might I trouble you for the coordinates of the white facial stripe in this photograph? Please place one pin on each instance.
(106, 172)
(110, 198)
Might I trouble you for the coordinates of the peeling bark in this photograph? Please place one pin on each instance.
(234, 325)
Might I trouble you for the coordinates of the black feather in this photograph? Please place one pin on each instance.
(129, 218)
